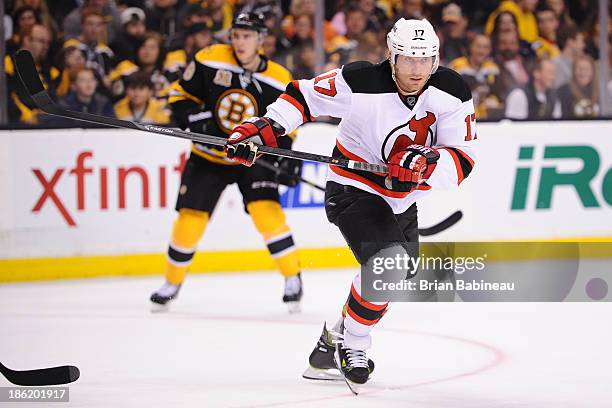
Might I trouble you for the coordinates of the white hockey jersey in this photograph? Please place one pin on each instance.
(377, 122)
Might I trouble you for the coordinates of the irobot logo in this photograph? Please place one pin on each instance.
(550, 177)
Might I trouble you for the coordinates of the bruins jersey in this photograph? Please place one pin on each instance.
(155, 112)
(99, 57)
(118, 78)
(218, 94)
(175, 62)
(545, 48)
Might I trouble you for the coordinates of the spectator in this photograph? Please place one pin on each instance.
(454, 35)
(572, 46)
(299, 7)
(592, 38)
(43, 15)
(162, 17)
(546, 44)
(506, 22)
(305, 61)
(150, 56)
(139, 104)
(513, 66)
(537, 99)
(579, 98)
(477, 12)
(356, 23)
(72, 60)
(523, 14)
(272, 17)
(91, 42)
(377, 18)
(269, 48)
(83, 96)
(560, 10)
(20, 106)
(188, 16)
(221, 13)
(132, 33)
(197, 36)
(411, 9)
(583, 12)
(23, 19)
(483, 76)
(369, 49)
(304, 30)
(72, 24)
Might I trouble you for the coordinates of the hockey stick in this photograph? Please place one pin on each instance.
(41, 376)
(442, 225)
(277, 171)
(29, 76)
(26, 69)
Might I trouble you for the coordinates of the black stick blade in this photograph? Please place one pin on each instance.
(42, 376)
(443, 225)
(26, 68)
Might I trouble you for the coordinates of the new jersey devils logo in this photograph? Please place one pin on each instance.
(415, 131)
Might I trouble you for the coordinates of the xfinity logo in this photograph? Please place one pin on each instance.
(98, 186)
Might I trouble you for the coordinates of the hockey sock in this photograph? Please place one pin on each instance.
(269, 219)
(360, 316)
(187, 231)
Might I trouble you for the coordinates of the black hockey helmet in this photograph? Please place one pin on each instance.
(250, 21)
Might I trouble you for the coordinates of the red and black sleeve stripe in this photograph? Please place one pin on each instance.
(294, 96)
(463, 162)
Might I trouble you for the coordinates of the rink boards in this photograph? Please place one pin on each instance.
(96, 202)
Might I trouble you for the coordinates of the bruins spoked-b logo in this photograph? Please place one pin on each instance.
(233, 107)
(415, 131)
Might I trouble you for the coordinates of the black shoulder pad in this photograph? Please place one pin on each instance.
(449, 81)
(364, 77)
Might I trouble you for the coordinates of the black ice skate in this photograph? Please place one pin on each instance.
(353, 364)
(321, 361)
(293, 293)
(163, 296)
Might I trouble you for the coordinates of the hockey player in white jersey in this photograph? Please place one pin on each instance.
(406, 112)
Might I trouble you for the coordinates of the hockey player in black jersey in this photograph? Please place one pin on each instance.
(221, 87)
(406, 112)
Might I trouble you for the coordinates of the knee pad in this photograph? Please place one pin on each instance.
(268, 217)
(188, 228)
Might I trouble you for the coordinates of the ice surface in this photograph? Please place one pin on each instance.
(228, 341)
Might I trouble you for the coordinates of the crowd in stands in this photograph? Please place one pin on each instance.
(523, 59)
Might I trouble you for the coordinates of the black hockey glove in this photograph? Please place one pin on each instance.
(290, 170)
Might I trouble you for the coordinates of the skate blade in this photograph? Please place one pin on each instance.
(321, 374)
(294, 307)
(355, 388)
(158, 308)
